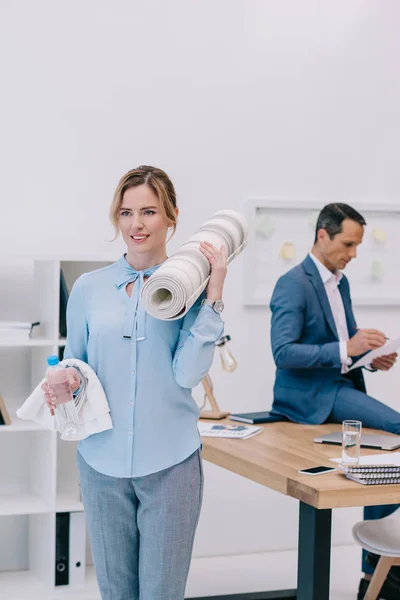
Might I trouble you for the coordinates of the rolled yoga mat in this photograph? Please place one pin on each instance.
(170, 292)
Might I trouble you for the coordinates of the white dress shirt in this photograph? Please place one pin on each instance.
(331, 282)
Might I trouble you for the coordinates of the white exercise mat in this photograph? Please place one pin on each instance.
(170, 292)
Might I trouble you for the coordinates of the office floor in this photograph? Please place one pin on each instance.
(344, 586)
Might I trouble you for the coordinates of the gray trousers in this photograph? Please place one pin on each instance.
(142, 529)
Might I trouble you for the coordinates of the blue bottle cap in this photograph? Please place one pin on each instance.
(52, 360)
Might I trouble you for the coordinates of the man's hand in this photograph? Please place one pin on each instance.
(365, 340)
(384, 363)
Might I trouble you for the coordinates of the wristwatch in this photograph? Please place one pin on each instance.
(216, 305)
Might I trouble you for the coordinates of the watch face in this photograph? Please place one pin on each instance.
(218, 306)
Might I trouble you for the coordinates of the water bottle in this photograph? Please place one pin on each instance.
(66, 414)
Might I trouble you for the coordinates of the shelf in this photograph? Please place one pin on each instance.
(21, 584)
(32, 343)
(17, 425)
(16, 585)
(22, 504)
(39, 473)
(68, 503)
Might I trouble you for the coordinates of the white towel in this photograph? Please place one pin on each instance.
(170, 292)
(94, 416)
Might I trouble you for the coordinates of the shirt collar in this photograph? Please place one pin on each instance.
(326, 274)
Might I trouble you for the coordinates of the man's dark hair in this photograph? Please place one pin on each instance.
(332, 216)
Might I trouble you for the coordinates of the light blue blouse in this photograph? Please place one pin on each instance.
(147, 368)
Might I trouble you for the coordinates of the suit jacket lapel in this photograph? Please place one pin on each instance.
(319, 287)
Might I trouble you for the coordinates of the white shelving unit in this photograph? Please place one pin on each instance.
(39, 473)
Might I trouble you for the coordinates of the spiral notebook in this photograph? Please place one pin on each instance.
(382, 480)
(363, 470)
(372, 474)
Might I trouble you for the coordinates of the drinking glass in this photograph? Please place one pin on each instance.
(351, 437)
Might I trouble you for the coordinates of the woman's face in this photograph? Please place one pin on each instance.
(142, 220)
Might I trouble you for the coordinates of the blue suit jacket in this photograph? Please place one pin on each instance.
(305, 345)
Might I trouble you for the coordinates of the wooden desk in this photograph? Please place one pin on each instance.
(273, 458)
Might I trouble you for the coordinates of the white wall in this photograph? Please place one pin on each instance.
(234, 99)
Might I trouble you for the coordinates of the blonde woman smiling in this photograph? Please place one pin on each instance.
(142, 481)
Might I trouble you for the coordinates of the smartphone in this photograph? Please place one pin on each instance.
(317, 470)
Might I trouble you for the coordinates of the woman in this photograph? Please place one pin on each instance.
(142, 481)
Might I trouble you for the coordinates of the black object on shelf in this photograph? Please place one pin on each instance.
(62, 548)
(63, 306)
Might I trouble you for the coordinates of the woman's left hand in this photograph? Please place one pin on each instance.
(217, 260)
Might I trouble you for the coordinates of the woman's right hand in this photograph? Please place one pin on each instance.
(74, 380)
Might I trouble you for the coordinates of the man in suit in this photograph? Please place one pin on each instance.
(315, 339)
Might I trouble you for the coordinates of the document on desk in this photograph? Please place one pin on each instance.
(388, 348)
(227, 431)
(392, 458)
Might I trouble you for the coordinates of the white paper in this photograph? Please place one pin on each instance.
(227, 431)
(388, 458)
(384, 350)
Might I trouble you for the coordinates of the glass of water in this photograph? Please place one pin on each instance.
(351, 431)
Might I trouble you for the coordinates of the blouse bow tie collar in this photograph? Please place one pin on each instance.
(135, 317)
